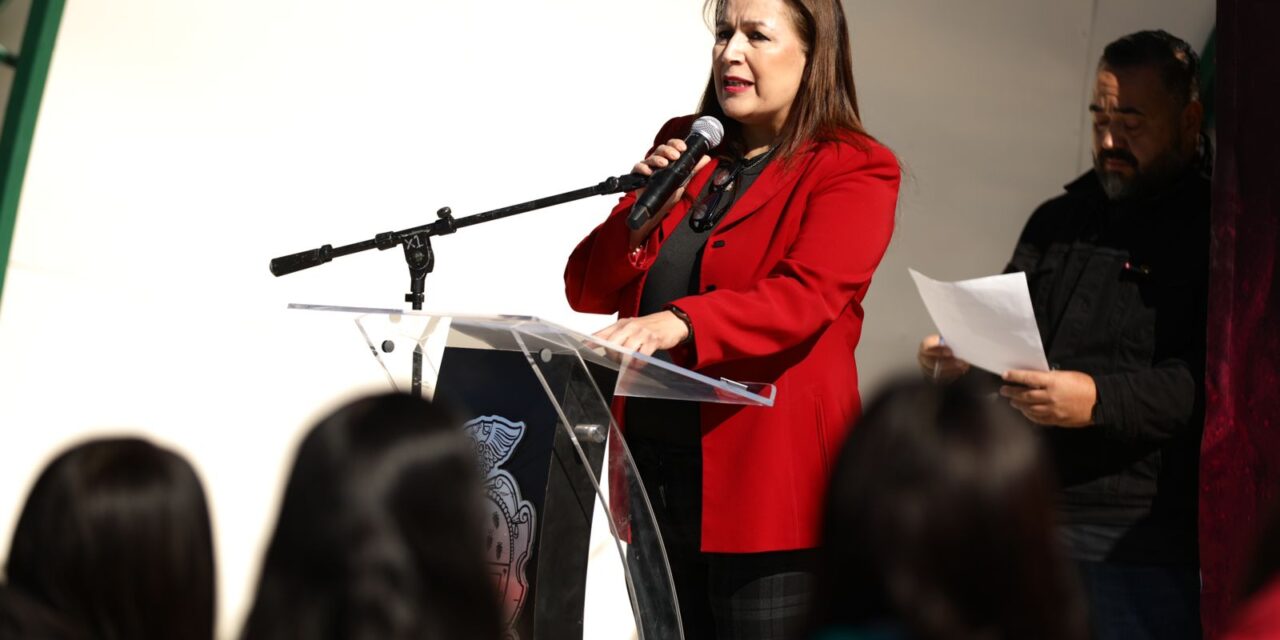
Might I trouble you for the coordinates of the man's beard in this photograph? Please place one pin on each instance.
(1146, 181)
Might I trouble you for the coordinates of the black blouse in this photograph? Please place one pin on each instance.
(674, 275)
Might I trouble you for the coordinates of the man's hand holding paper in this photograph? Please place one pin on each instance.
(989, 322)
(1054, 398)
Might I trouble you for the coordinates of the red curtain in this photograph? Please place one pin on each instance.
(1240, 454)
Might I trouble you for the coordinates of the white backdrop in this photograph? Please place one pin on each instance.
(183, 143)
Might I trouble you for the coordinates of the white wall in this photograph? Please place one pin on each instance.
(184, 143)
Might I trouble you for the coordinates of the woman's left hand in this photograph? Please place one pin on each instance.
(646, 334)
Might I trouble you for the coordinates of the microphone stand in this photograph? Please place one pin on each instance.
(418, 253)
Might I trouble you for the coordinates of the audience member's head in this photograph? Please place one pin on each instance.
(939, 525)
(23, 618)
(114, 539)
(379, 533)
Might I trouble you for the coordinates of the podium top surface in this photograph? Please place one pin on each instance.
(638, 375)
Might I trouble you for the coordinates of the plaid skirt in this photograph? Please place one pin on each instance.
(722, 596)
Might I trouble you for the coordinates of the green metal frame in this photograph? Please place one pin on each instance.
(31, 69)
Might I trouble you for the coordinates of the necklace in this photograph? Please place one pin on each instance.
(748, 165)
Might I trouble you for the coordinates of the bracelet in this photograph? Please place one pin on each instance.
(684, 317)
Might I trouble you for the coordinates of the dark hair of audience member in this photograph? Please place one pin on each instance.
(379, 533)
(939, 525)
(115, 541)
(22, 618)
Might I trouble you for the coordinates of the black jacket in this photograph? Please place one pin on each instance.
(1120, 293)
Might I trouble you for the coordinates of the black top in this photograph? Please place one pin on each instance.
(1120, 292)
(674, 274)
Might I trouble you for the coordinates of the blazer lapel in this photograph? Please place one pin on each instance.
(774, 177)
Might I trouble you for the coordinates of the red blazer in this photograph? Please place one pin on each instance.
(783, 277)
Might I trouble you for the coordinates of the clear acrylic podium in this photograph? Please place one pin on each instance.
(537, 398)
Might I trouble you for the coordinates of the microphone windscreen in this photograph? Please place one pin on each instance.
(709, 128)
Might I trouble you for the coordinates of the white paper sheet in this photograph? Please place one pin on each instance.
(987, 322)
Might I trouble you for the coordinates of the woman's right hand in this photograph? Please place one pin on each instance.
(937, 362)
(661, 158)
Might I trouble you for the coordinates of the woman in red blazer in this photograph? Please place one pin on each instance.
(756, 271)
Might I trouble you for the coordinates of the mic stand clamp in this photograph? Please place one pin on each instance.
(418, 253)
(421, 258)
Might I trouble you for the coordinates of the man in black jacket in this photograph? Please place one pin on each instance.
(1117, 269)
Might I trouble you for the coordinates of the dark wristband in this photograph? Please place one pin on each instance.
(684, 317)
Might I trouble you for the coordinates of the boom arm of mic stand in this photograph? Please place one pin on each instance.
(291, 263)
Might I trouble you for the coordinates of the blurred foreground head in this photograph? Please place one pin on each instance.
(379, 532)
(115, 541)
(939, 524)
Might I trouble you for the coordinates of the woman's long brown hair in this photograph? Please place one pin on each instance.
(826, 104)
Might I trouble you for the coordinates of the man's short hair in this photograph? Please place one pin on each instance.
(1177, 62)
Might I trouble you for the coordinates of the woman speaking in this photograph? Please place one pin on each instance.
(756, 270)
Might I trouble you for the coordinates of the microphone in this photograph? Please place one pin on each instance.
(707, 133)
